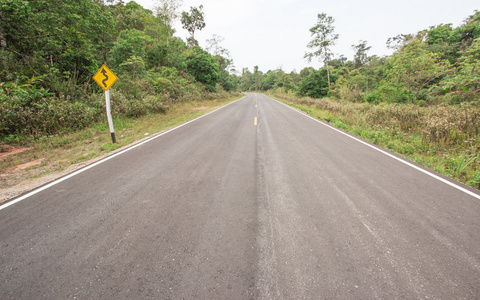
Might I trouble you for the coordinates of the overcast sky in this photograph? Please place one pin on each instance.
(274, 34)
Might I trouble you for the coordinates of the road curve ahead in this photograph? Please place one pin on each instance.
(253, 201)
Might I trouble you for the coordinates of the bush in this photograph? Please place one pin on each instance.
(133, 107)
(315, 85)
(201, 65)
(27, 110)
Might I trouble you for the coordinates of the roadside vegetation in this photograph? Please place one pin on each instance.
(422, 102)
(49, 51)
(443, 138)
(54, 114)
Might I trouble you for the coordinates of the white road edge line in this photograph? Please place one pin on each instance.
(384, 152)
(106, 159)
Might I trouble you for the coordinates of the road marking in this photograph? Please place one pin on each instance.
(386, 153)
(256, 111)
(38, 190)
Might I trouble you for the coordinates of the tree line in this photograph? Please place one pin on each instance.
(49, 50)
(438, 64)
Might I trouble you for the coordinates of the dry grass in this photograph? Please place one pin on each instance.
(444, 138)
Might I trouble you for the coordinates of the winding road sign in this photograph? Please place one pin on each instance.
(105, 78)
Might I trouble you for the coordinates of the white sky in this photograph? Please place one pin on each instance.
(274, 33)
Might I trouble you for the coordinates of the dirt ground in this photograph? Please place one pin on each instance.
(25, 177)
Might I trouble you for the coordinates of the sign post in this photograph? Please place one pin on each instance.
(105, 79)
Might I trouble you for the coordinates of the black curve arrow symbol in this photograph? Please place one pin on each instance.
(106, 77)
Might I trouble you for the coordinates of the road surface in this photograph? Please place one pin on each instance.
(253, 201)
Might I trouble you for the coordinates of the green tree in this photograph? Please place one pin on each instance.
(444, 41)
(201, 65)
(133, 65)
(52, 38)
(257, 79)
(417, 67)
(286, 82)
(246, 80)
(161, 54)
(470, 30)
(225, 79)
(315, 85)
(193, 21)
(323, 38)
(130, 42)
(270, 79)
(467, 77)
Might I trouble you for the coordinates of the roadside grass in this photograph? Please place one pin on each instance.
(61, 153)
(445, 139)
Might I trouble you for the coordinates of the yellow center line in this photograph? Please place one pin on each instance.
(255, 122)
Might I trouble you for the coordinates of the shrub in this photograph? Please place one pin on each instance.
(24, 109)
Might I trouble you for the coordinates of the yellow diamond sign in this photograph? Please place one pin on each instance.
(105, 78)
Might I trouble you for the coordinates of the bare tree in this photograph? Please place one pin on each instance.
(361, 56)
(167, 11)
(214, 47)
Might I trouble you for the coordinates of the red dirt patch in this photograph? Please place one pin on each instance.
(6, 150)
(29, 164)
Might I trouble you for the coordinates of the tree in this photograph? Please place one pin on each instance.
(323, 38)
(360, 58)
(468, 74)
(416, 67)
(193, 21)
(221, 55)
(201, 65)
(315, 85)
(246, 79)
(400, 40)
(52, 38)
(213, 46)
(166, 10)
(286, 82)
(443, 40)
(257, 78)
(270, 79)
(161, 54)
(133, 65)
(129, 43)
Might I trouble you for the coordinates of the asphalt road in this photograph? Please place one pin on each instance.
(253, 201)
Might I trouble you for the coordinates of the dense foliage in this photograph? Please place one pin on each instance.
(437, 65)
(421, 102)
(50, 49)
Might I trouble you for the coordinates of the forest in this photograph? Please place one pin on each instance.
(436, 65)
(422, 101)
(50, 49)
